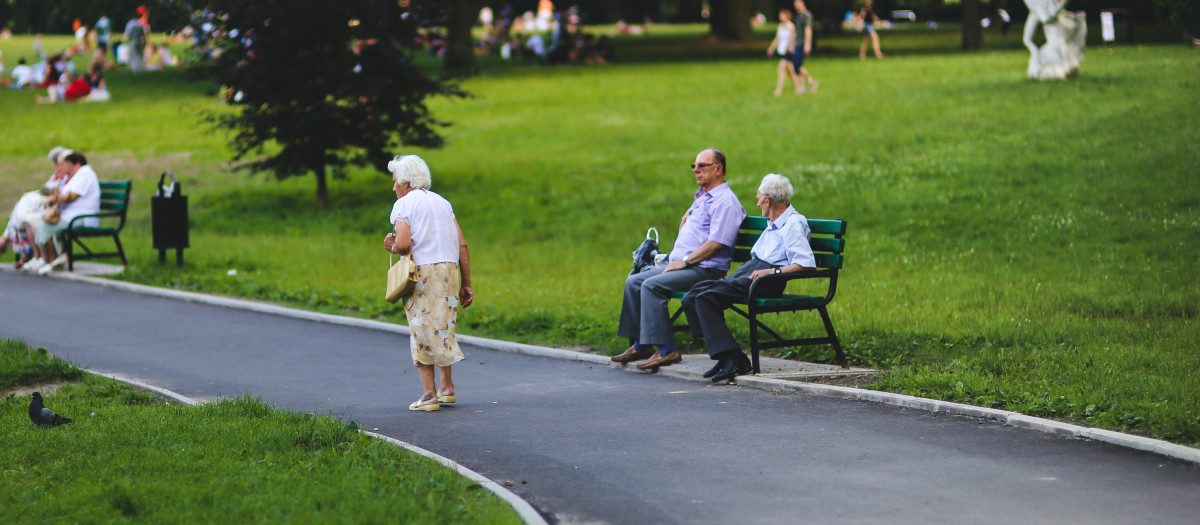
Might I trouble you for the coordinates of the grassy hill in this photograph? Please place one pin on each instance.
(1013, 244)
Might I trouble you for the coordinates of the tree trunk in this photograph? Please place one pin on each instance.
(689, 11)
(322, 189)
(997, 21)
(460, 46)
(972, 30)
(22, 11)
(730, 19)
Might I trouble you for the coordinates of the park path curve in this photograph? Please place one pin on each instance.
(587, 443)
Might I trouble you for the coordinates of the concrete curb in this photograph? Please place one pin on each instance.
(765, 383)
(526, 511)
(523, 509)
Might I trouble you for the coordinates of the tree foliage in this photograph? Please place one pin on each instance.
(319, 85)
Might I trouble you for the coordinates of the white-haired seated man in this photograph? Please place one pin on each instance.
(782, 248)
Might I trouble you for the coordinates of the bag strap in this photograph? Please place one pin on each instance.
(655, 230)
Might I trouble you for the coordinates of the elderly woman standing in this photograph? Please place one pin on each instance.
(426, 229)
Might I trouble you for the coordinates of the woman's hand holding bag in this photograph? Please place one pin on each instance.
(401, 279)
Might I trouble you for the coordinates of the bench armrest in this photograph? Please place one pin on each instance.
(784, 277)
(71, 225)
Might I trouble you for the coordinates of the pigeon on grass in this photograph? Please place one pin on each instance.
(44, 416)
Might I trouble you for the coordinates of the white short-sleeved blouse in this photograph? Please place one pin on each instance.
(430, 220)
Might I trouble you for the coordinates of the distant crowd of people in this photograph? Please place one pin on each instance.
(548, 38)
(57, 73)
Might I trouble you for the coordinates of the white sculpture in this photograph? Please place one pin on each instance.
(1066, 36)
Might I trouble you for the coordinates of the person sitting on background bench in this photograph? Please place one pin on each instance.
(782, 248)
(703, 250)
(28, 208)
(79, 195)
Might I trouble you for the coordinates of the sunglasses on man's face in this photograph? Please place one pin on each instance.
(702, 165)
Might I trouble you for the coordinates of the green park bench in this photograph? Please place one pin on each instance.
(114, 202)
(827, 243)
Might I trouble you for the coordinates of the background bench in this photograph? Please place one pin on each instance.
(827, 244)
(114, 202)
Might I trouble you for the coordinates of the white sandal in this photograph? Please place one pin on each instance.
(429, 406)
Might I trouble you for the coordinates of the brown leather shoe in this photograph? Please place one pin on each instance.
(661, 360)
(633, 354)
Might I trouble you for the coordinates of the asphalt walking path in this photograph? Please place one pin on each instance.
(586, 443)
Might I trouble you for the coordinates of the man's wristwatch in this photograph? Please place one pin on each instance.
(686, 262)
(778, 271)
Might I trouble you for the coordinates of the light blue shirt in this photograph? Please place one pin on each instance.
(785, 241)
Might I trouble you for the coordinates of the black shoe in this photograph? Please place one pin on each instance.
(737, 366)
(715, 369)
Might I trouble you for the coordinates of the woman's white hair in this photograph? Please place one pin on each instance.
(410, 169)
(776, 187)
(55, 153)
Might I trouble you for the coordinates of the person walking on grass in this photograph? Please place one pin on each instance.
(425, 228)
(782, 248)
(803, 22)
(869, 18)
(703, 251)
(137, 31)
(782, 47)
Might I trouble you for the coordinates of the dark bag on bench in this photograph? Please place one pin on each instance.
(643, 256)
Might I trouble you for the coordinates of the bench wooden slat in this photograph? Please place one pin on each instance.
(826, 244)
(755, 222)
(827, 226)
(115, 196)
(828, 260)
(747, 239)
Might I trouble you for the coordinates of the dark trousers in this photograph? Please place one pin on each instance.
(706, 302)
(645, 317)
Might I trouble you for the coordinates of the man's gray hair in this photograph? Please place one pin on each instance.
(55, 153)
(777, 188)
(410, 169)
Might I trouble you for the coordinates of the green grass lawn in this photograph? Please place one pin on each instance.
(1013, 244)
(131, 457)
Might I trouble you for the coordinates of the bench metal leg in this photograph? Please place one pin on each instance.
(837, 347)
(120, 251)
(70, 252)
(754, 324)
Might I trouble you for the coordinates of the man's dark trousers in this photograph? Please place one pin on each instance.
(705, 305)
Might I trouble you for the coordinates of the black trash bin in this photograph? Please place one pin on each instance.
(169, 219)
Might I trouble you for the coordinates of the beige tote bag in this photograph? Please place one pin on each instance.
(402, 278)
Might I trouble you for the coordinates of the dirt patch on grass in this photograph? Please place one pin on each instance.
(852, 381)
(25, 390)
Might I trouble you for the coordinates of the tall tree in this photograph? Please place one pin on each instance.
(460, 45)
(972, 26)
(730, 19)
(319, 85)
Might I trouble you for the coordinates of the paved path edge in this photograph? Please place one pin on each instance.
(1015, 419)
(527, 512)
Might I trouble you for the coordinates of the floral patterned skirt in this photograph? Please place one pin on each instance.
(432, 312)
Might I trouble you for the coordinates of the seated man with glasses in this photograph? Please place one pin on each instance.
(703, 251)
(783, 247)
